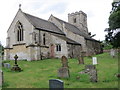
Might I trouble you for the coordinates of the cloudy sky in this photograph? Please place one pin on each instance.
(97, 12)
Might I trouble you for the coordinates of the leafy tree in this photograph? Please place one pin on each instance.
(113, 35)
(106, 45)
(1, 49)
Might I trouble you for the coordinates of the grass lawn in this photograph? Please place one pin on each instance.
(36, 74)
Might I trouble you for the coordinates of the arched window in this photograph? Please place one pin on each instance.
(20, 34)
(44, 39)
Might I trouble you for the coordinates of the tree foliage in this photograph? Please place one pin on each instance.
(113, 36)
(1, 49)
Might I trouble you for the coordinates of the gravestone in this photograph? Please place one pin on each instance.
(6, 65)
(80, 59)
(91, 70)
(56, 84)
(89, 67)
(63, 72)
(93, 75)
(64, 61)
(112, 53)
(94, 59)
(16, 67)
(1, 78)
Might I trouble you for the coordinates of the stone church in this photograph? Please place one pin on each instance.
(33, 38)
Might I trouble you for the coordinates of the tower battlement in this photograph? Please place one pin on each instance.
(79, 19)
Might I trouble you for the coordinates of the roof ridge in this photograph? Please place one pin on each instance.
(35, 17)
(32, 19)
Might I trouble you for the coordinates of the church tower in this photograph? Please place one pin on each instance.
(79, 19)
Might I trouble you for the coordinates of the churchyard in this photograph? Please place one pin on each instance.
(36, 74)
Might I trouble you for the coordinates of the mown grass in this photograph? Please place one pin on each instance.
(36, 74)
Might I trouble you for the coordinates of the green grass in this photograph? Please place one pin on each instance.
(36, 74)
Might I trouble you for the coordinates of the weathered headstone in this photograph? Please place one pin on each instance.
(1, 78)
(112, 53)
(6, 65)
(89, 67)
(91, 70)
(16, 67)
(94, 59)
(63, 72)
(80, 59)
(64, 61)
(93, 75)
(56, 84)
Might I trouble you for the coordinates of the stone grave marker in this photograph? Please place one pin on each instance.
(56, 84)
(91, 70)
(93, 75)
(16, 67)
(80, 59)
(6, 65)
(64, 61)
(89, 67)
(63, 72)
(94, 59)
(1, 78)
(112, 53)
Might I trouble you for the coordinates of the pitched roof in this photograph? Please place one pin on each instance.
(74, 29)
(48, 26)
(43, 25)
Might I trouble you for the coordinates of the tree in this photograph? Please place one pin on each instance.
(1, 49)
(113, 32)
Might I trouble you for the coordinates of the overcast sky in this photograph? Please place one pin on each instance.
(97, 12)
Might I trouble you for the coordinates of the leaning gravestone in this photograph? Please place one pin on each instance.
(1, 78)
(91, 70)
(56, 84)
(63, 72)
(64, 61)
(94, 59)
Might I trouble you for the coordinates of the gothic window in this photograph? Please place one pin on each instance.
(58, 47)
(44, 39)
(20, 35)
(74, 20)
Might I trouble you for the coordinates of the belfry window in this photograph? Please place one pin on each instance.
(74, 20)
(20, 34)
